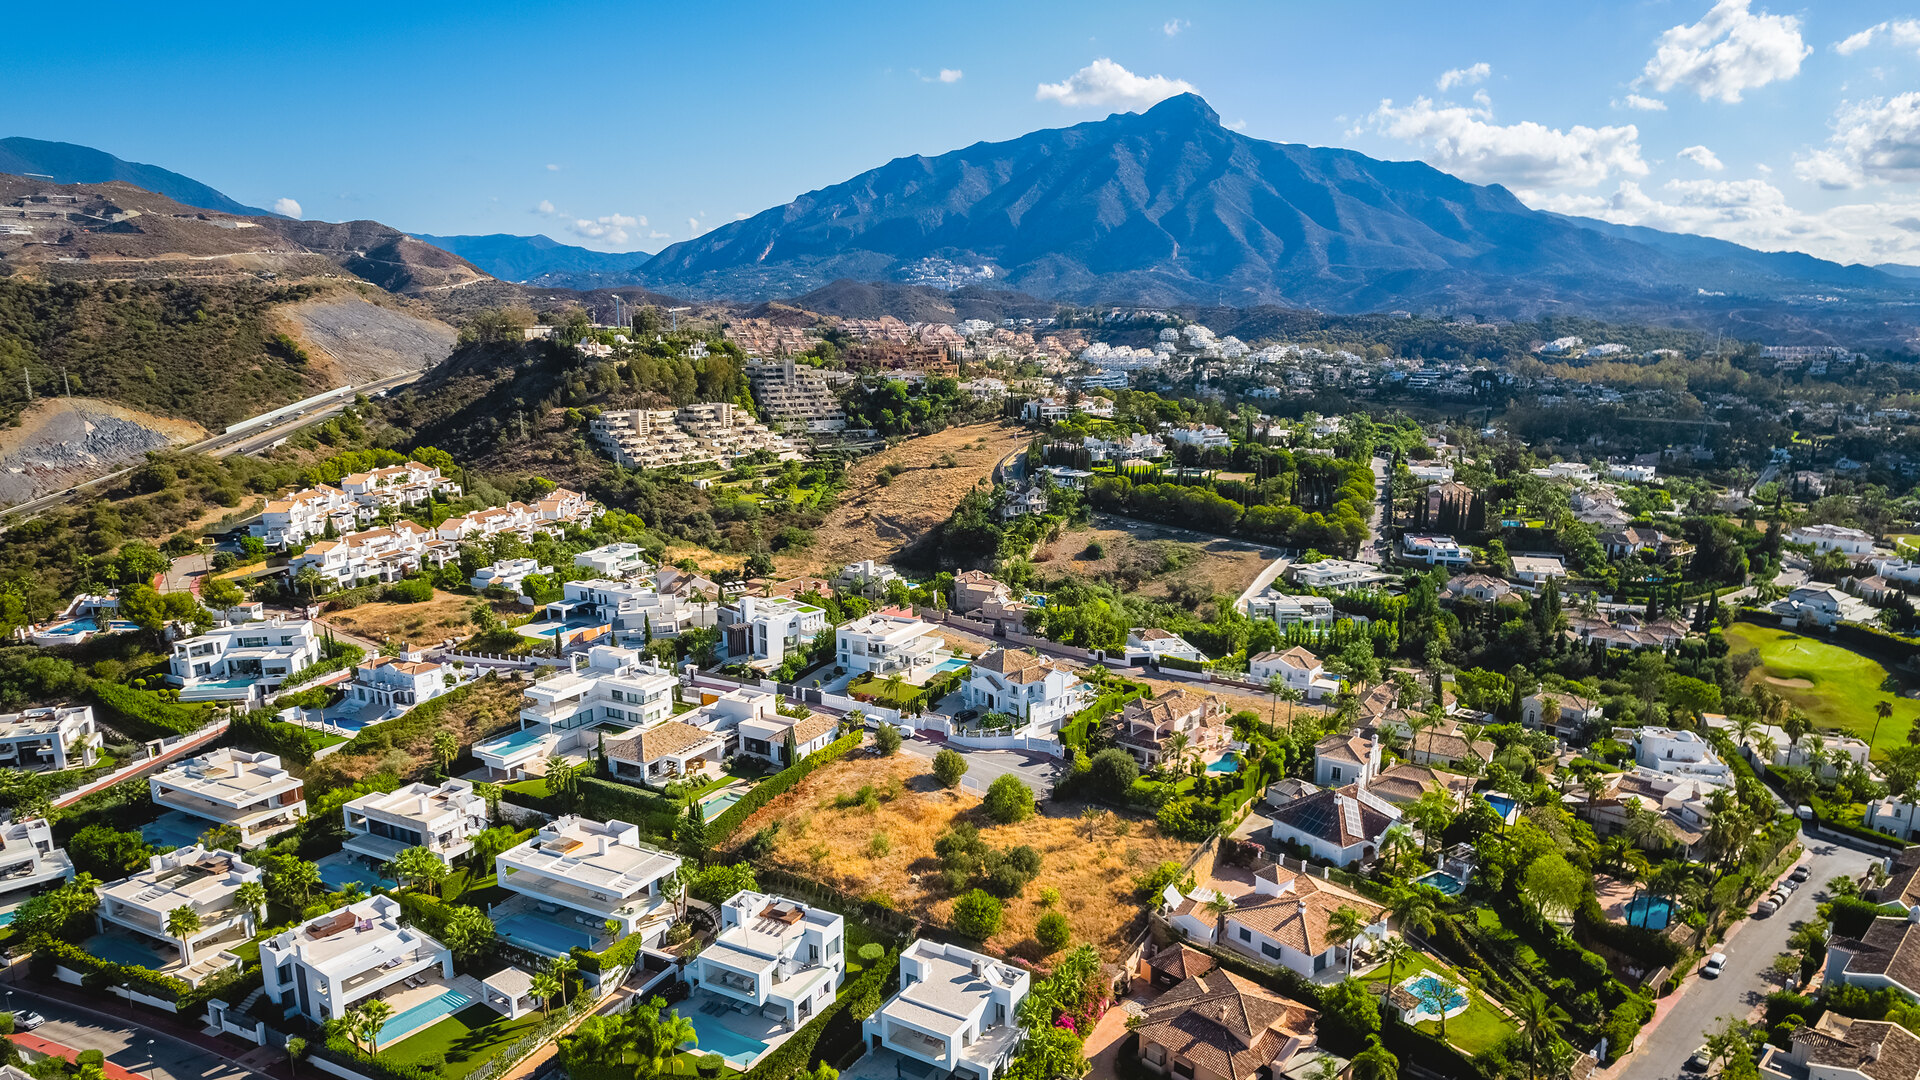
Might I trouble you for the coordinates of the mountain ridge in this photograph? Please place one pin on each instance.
(71, 163)
(543, 261)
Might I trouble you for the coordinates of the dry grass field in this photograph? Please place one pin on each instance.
(1212, 564)
(1095, 878)
(875, 521)
(486, 707)
(429, 622)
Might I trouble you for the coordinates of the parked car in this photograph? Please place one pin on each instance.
(1787, 886)
(1714, 966)
(1803, 812)
(27, 1020)
(1801, 872)
(1700, 1060)
(1767, 907)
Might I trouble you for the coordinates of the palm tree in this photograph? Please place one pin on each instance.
(374, 1015)
(1744, 729)
(1414, 911)
(560, 968)
(446, 747)
(1275, 684)
(182, 923)
(1645, 828)
(252, 896)
(1289, 695)
(1092, 815)
(1394, 951)
(1177, 749)
(1882, 710)
(1343, 926)
(1538, 1028)
(671, 1032)
(544, 989)
(1396, 845)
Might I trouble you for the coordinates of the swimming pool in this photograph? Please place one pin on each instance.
(122, 949)
(173, 829)
(1431, 992)
(1445, 882)
(739, 1050)
(1228, 763)
(719, 804)
(1505, 804)
(340, 869)
(510, 743)
(952, 663)
(6, 918)
(544, 933)
(1651, 912)
(88, 625)
(423, 1014)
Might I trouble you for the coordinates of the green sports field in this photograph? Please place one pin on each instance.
(1844, 685)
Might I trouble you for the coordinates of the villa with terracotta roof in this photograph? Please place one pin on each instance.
(1404, 784)
(669, 750)
(1841, 1048)
(1479, 588)
(1146, 726)
(1449, 746)
(1220, 1026)
(1041, 691)
(1285, 920)
(1902, 887)
(1175, 962)
(1887, 954)
(1299, 668)
(1344, 759)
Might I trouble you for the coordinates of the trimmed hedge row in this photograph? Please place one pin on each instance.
(722, 828)
(145, 714)
(233, 984)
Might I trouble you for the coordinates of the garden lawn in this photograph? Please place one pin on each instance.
(473, 1035)
(1481, 1027)
(1836, 687)
(879, 690)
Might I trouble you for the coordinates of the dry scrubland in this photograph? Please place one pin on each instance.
(444, 616)
(872, 521)
(485, 708)
(1216, 565)
(833, 844)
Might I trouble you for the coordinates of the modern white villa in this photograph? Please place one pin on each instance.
(619, 561)
(388, 686)
(574, 877)
(762, 630)
(442, 819)
(53, 738)
(29, 863)
(249, 791)
(780, 958)
(324, 966)
(955, 1011)
(204, 882)
(241, 662)
(891, 642)
(609, 691)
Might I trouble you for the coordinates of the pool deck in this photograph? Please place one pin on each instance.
(750, 1025)
(403, 997)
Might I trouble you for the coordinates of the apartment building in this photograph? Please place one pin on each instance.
(385, 554)
(324, 966)
(241, 662)
(763, 630)
(307, 514)
(248, 791)
(796, 397)
(619, 561)
(777, 955)
(442, 818)
(575, 876)
(204, 882)
(52, 738)
(886, 642)
(715, 431)
(29, 862)
(607, 691)
(1287, 609)
(399, 485)
(956, 1011)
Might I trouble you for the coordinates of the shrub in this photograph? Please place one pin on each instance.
(1112, 773)
(871, 951)
(146, 714)
(949, 767)
(729, 822)
(1052, 932)
(1008, 800)
(977, 915)
(887, 739)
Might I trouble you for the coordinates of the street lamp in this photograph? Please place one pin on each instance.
(150, 1059)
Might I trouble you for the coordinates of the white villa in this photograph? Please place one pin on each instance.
(205, 882)
(890, 641)
(1153, 644)
(1833, 538)
(324, 966)
(865, 578)
(1042, 692)
(1301, 670)
(1334, 574)
(636, 611)
(1434, 549)
(1290, 610)
(51, 738)
(250, 792)
(618, 561)
(508, 574)
(1285, 921)
(763, 630)
(608, 691)
(241, 662)
(574, 877)
(955, 1011)
(1679, 753)
(29, 863)
(1535, 569)
(392, 685)
(765, 736)
(783, 958)
(442, 819)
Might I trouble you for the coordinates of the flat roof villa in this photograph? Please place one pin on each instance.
(241, 662)
(324, 966)
(248, 791)
(775, 960)
(53, 738)
(207, 883)
(575, 876)
(608, 691)
(29, 863)
(954, 1011)
(442, 819)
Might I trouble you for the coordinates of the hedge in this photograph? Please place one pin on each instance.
(146, 714)
(340, 656)
(1830, 819)
(722, 828)
(857, 1001)
(1073, 733)
(189, 999)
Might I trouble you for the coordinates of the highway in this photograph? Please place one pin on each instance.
(239, 442)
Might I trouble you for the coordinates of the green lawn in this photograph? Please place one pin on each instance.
(879, 690)
(1481, 1027)
(468, 1038)
(1845, 684)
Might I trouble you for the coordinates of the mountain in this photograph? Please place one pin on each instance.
(1170, 207)
(379, 253)
(541, 260)
(67, 163)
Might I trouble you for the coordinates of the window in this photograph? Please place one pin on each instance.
(1246, 934)
(1183, 1070)
(1268, 950)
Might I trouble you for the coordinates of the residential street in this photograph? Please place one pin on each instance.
(125, 1042)
(1377, 548)
(1703, 1003)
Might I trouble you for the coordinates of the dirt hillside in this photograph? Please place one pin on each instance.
(61, 442)
(362, 341)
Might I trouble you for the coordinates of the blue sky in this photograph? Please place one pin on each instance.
(631, 126)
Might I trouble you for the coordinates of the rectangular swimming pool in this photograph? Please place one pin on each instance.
(544, 933)
(123, 949)
(173, 829)
(423, 1014)
(721, 803)
(340, 869)
(952, 663)
(739, 1050)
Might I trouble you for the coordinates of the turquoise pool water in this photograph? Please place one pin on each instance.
(1229, 763)
(423, 1014)
(1446, 883)
(173, 829)
(125, 950)
(507, 744)
(952, 663)
(6, 918)
(340, 869)
(719, 804)
(1503, 803)
(543, 933)
(1424, 986)
(1652, 912)
(739, 1050)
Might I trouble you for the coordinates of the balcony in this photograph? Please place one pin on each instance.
(917, 1045)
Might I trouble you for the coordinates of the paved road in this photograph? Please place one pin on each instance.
(1377, 548)
(125, 1043)
(1705, 1002)
(1036, 770)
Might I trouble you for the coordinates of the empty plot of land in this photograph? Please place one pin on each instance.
(447, 615)
(63, 441)
(875, 521)
(1092, 866)
(1151, 559)
(362, 341)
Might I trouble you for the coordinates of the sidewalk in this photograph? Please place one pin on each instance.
(236, 1052)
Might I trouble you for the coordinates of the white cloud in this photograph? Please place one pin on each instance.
(1877, 139)
(552, 167)
(656, 234)
(1703, 157)
(286, 207)
(1104, 83)
(1645, 104)
(693, 226)
(1729, 51)
(1853, 43)
(544, 207)
(1174, 26)
(1468, 143)
(950, 75)
(1235, 125)
(611, 229)
(1904, 33)
(1465, 76)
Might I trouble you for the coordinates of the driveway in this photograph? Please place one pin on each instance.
(1036, 770)
(1703, 1003)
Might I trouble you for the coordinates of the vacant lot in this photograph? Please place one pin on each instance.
(875, 521)
(484, 708)
(1095, 878)
(1836, 687)
(426, 623)
(1152, 559)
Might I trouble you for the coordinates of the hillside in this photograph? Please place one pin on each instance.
(1170, 207)
(379, 253)
(67, 163)
(543, 261)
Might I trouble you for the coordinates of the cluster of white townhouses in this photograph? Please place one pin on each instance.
(242, 662)
(49, 739)
(358, 499)
(392, 552)
(247, 791)
(716, 431)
